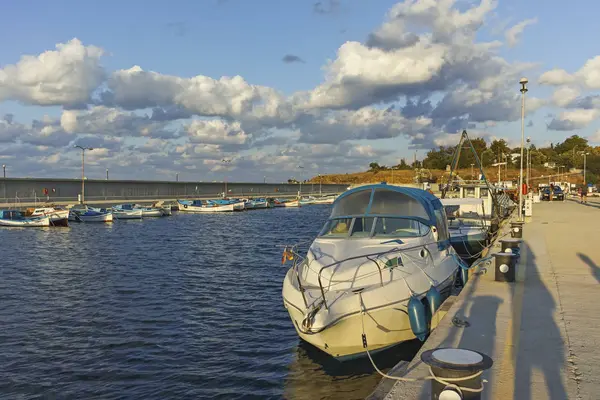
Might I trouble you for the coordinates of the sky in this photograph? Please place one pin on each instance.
(244, 90)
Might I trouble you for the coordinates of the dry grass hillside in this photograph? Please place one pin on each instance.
(407, 176)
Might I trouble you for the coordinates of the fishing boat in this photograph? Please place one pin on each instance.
(238, 204)
(324, 199)
(15, 218)
(58, 215)
(285, 203)
(306, 200)
(83, 213)
(127, 214)
(253, 204)
(375, 275)
(468, 226)
(202, 206)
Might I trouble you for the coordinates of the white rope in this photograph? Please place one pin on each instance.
(432, 375)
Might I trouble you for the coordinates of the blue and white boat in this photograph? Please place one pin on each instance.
(253, 204)
(123, 212)
(378, 271)
(83, 213)
(202, 206)
(17, 218)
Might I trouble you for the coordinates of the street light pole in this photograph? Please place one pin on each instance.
(83, 149)
(472, 174)
(226, 161)
(106, 173)
(523, 83)
(4, 170)
(177, 177)
(300, 190)
(527, 168)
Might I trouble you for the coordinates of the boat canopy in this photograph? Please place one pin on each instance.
(11, 214)
(389, 201)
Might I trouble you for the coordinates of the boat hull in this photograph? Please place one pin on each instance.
(384, 327)
(127, 214)
(293, 203)
(26, 223)
(57, 217)
(196, 209)
(154, 212)
(108, 217)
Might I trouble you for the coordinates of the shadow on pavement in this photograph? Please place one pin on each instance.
(594, 269)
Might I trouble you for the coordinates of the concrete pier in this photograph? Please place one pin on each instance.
(543, 331)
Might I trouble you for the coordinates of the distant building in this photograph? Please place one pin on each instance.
(550, 165)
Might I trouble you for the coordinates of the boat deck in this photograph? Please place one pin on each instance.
(543, 332)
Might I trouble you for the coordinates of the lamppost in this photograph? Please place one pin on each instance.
(320, 180)
(177, 177)
(83, 149)
(472, 173)
(4, 170)
(264, 179)
(106, 173)
(226, 161)
(527, 165)
(584, 165)
(300, 190)
(393, 169)
(523, 83)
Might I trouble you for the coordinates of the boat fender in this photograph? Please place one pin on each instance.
(434, 300)
(417, 318)
(464, 276)
(434, 231)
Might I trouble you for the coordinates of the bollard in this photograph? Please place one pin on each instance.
(506, 265)
(511, 246)
(452, 363)
(516, 229)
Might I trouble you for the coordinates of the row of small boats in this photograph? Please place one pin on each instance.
(242, 204)
(60, 216)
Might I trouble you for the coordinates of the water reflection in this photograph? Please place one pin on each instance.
(315, 375)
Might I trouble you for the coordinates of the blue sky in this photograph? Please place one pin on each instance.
(215, 38)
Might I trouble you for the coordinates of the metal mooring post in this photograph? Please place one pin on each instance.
(516, 229)
(511, 246)
(506, 266)
(450, 364)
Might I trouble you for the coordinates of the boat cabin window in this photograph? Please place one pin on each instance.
(399, 227)
(394, 203)
(470, 192)
(362, 226)
(442, 227)
(353, 204)
(338, 227)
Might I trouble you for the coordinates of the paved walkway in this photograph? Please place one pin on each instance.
(542, 332)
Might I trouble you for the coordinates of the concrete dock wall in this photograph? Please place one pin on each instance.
(61, 190)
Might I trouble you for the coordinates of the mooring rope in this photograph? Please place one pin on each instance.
(432, 376)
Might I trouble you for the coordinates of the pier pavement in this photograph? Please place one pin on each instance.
(543, 331)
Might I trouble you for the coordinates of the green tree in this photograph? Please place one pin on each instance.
(499, 147)
(572, 143)
(403, 165)
(467, 157)
(374, 167)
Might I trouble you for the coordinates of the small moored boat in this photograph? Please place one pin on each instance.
(84, 213)
(201, 206)
(15, 218)
(58, 215)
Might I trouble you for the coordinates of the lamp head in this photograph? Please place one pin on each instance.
(523, 81)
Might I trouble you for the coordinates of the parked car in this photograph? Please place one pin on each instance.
(558, 193)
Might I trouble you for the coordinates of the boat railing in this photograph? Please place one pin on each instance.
(368, 257)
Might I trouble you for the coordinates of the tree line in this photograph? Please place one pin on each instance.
(568, 154)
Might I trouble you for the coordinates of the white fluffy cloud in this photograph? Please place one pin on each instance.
(422, 74)
(65, 76)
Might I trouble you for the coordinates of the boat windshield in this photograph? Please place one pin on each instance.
(373, 227)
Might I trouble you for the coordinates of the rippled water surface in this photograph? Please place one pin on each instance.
(187, 306)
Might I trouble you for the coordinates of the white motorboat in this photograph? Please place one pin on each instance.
(291, 203)
(385, 251)
(468, 226)
(15, 218)
(83, 213)
(324, 199)
(58, 216)
(202, 206)
(127, 214)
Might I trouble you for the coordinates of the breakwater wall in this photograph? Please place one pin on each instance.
(27, 190)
